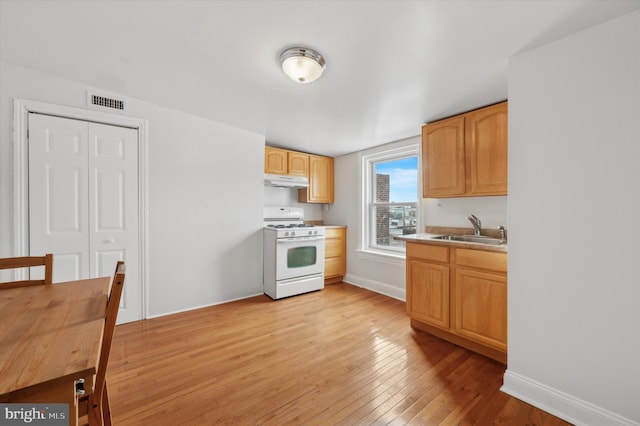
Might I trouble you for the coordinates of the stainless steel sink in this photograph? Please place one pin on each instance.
(472, 239)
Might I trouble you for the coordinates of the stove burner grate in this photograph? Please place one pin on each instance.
(293, 225)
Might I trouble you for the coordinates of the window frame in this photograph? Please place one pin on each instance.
(405, 148)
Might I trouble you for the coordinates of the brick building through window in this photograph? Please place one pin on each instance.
(382, 213)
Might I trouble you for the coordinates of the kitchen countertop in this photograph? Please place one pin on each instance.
(428, 238)
(321, 223)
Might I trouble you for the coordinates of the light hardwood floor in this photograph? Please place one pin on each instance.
(343, 356)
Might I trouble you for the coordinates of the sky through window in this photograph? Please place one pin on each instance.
(403, 177)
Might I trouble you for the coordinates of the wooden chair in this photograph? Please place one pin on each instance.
(27, 262)
(96, 405)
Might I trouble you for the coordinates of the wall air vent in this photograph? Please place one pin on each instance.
(104, 101)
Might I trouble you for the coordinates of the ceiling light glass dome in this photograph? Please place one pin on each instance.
(302, 64)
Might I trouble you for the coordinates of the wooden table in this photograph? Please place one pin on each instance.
(50, 337)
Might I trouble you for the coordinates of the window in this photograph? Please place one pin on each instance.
(390, 201)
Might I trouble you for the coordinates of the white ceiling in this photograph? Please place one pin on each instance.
(391, 65)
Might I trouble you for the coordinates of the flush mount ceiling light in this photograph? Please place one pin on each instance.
(302, 64)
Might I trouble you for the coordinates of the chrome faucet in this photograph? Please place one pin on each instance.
(503, 236)
(476, 223)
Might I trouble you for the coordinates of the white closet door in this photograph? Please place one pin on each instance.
(59, 194)
(113, 211)
(83, 201)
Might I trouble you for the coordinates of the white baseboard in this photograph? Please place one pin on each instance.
(560, 404)
(179, 311)
(377, 286)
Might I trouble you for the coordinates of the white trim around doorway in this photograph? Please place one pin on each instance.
(21, 110)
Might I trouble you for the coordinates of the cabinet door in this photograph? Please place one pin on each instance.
(481, 307)
(298, 164)
(275, 160)
(443, 158)
(335, 253)
(486, 139)
(320, 181)
(428, 292)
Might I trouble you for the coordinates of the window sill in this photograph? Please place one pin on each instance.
(382, 256)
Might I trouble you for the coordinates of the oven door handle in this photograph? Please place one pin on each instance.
(292, 239)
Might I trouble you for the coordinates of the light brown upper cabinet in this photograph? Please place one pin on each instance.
(298, 163)
(486, 150)
(284, 162)
(466, 155)
(275, 160)
(318, 169)
(320, 181)
(443, 158)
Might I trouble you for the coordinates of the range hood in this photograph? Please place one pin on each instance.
(284, 181)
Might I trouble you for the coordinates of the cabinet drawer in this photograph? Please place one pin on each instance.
(334, 244)
(333, 248)
(333, 267)
(333, 233)
(428, 252)
(482, 259)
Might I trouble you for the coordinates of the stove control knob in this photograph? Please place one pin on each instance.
(286, 233)
(310, 232)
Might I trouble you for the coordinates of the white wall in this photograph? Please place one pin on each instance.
(382, 274)
(205, 196)
(374, 272)
(277, 197)
(386, 275)
(492, 211)
(574, 204)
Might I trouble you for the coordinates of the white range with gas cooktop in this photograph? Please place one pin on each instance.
(293, 253)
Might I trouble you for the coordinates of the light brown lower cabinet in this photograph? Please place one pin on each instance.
(428, 296)
(459, 295)
(335, 254)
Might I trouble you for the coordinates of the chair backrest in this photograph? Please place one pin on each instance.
(27, 262)
(113, 304)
